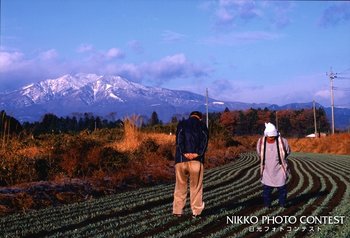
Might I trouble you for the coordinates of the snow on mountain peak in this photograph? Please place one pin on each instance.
(107, 94)
(27, 86)
(96, 93)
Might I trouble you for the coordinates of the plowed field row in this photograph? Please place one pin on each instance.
(319, 186)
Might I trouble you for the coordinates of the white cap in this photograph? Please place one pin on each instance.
(270, 130)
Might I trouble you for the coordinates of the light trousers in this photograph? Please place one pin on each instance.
(192, 170)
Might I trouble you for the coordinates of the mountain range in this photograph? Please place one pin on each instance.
(104, 95)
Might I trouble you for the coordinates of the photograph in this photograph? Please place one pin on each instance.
(155, 118)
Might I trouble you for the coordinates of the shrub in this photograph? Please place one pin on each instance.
(19, 170)
(166, 152)
(108, 135)
(42, 169)
(148, 145)
(74, 155)
(231, 142)
(112, 160)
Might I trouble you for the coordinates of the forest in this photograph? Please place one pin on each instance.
(291, 123)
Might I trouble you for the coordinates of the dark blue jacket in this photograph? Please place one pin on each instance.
(191, 137)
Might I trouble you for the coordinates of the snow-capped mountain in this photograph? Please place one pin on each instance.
(100, 95)
(103, 95)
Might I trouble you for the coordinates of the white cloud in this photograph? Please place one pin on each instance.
(224, 87)
(18, 70)
(231, 13)
(171, 36)
(10, 60)
(224, 16)
(157, 72)
(85, 48)
(99, 56)
(48, 55)
(231, 39)
(277, 13)
(323, 93)
(129, 71)
(114, 53)
(174, 66)
(335, 14)
(136, 46)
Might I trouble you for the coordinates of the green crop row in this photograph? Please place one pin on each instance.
(228, 190)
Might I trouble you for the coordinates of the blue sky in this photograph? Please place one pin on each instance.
(248, 51)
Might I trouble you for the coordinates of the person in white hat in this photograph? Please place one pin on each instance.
(273, 151)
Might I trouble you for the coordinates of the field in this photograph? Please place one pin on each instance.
(319, 186)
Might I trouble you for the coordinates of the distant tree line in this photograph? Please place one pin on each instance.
(54, 124)
(296, 123)
(50, 123)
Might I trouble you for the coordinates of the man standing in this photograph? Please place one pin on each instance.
(191, 144)
(273, 151)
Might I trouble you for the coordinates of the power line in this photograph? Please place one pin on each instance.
(341, 89)
(344, 71)
(343, 105)
(343, 78)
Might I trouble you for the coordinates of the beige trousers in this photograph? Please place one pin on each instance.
(194, 171)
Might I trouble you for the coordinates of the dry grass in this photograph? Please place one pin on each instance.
(31, 152)
(333, 144)
(161, 139)
(222, 150)
(132, 135)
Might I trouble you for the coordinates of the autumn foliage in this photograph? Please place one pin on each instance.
(291, 123)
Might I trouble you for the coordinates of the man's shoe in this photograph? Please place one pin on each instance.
(177, 215)
(196, 216)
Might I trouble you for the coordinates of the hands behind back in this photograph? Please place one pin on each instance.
(191, 156)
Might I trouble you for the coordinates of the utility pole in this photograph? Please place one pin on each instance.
(277, 120)
(207, 109)
(315, 122)
(332, 76)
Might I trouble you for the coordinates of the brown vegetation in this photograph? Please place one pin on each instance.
(334, 144)
(76, 167)
(93, 164)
